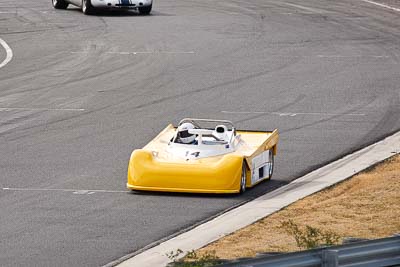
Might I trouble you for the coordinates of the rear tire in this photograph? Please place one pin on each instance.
(271, 166)
(243, 179)
(145, 10)
(59, 4)
(87, 7)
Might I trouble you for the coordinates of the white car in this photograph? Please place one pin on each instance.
(88, 6)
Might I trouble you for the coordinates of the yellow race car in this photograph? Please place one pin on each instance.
(203, 156)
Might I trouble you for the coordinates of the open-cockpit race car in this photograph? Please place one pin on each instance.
(203, 156)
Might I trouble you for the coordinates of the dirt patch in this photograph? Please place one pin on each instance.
(365, 206)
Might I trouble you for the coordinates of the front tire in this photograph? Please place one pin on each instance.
(59, 4)
(145, 10)
(243, 179)
(87, 7)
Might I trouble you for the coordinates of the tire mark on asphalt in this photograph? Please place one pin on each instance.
(141, 106)
(309, 9)
(389, 119)
(300, 98)
(352, 110)
(212, 87)
(338, 115)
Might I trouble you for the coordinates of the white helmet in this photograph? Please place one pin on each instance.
(183, 133)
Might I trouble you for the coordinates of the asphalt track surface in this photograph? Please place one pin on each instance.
(82, 92)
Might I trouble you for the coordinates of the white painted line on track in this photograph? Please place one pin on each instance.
(293, 114)
(41, 109)
(150, 52)
(74, 191)
(267, 204)
(139, 52)
(192, 52)
(82, 52)
(359, 56)
(9, 53)
(382, 5)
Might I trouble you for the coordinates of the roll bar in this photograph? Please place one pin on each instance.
(196, 122)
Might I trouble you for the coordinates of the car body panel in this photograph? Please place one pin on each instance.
(146, 173)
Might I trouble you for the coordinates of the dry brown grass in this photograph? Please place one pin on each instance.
(366, 206)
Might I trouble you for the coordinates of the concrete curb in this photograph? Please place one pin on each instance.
(269, 203)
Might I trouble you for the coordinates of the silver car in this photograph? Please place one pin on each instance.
(89, 6)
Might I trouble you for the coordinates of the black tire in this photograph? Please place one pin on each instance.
(87, 7)
(271, 167)
(145, 10)
(59, 4)
(243, 179)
